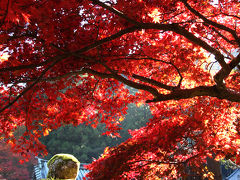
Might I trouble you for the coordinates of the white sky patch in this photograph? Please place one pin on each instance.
(214, 65)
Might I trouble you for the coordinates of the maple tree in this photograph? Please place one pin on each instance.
(70, 62)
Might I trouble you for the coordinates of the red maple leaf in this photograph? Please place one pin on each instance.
(73, 62)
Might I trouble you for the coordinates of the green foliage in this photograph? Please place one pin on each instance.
(86, 143)
(229, 164)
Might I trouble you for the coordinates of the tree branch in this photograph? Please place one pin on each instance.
(115, 11)
(176, 93)
(181, 31)
(223, 73)
(49, 79)
(176, 28)
(125, 81)
(235, 16)
(212, 23)
(56, 60)
(29, 66)
(179, 94)
(211, 91)
(68, 54)
(104, 40)
(154, 82)
(224, 37)
(75, 53)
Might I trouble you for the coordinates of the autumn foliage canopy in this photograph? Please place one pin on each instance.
(73, 61)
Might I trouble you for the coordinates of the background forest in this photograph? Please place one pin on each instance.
(86, 143)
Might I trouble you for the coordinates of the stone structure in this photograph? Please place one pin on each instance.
(63, 166)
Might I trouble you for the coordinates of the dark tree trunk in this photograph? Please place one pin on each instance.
(215, 167)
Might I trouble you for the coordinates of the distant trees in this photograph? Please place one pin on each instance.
(86, 142)
(10, 168)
